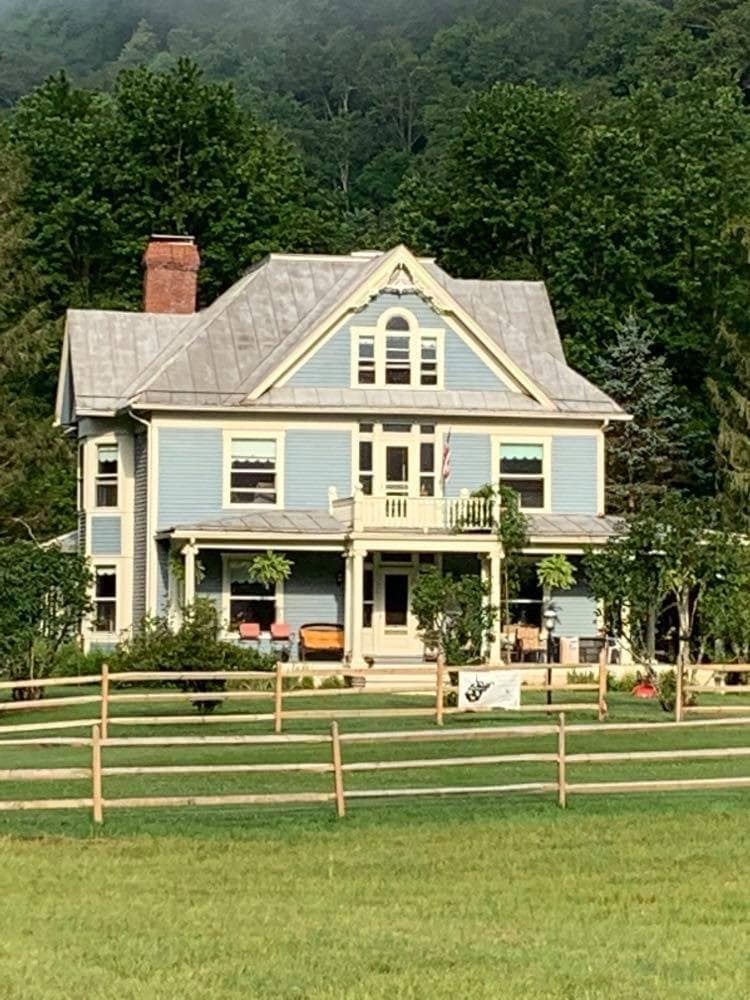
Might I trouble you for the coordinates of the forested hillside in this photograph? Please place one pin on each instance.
(601, 146)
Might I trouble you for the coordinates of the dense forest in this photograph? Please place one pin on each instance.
(601, 145)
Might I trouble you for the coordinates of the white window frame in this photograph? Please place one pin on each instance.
(249, 433)
(108, 442)
(415, 333)
(545, 441)
(114, 569)
(227, 561)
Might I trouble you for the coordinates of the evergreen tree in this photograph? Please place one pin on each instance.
(650, 453)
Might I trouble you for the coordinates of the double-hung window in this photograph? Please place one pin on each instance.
(107, 469)
(366, 361)
(105, 599)
(397, 359)
(428, 366)
(253, 471)
(522, 468)
(249, 602)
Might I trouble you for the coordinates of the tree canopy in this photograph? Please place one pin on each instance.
(601, 147)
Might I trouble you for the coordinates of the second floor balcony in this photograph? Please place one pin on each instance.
(461, 514)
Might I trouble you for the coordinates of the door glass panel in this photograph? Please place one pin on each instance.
(396, 470)
(396, 599)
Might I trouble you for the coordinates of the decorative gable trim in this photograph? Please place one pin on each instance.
(400, 272)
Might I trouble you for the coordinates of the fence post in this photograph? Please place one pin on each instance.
(104, 723)
(561, 789)
(439, 685)
(96, 774)
(603, 675)
(678, 696)
(338, 774)
(278, 705)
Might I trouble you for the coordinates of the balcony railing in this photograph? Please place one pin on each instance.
(452, 514)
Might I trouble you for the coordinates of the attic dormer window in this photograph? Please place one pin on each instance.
(398, 353)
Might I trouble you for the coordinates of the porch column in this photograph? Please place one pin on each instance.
(357, 590)
(347, 607)
(496, 648)
(190, 552)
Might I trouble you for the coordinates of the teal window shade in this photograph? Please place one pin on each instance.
(253, 471)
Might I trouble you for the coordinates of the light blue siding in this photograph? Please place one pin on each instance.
(330, 367)
(312, 593)
(212, 580)
(464, 369)
(574, 474)
(190, 475)
(106, 535)
(576, 610)
(471, 463)
(315, 460)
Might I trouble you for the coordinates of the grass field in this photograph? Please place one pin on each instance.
(624, 896)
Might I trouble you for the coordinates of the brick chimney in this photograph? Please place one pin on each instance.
(171, 280)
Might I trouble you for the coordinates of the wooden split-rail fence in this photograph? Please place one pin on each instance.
(339, 768)
(283, 686)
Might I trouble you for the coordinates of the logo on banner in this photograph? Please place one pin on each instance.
(490, 689)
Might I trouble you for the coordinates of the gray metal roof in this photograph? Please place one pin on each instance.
(289, 398)
(291, 522)
(316, 522)
(219, 355)
(559, 525)
(109, 350)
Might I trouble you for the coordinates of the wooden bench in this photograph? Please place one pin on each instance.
(321, 639)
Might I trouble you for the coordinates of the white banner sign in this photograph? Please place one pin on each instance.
(489, 689)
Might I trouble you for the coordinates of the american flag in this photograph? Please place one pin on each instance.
(447, 457)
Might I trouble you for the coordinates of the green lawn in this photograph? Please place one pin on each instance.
(621, 896)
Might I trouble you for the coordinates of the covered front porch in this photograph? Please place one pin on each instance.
(359, 583)
(361, 586)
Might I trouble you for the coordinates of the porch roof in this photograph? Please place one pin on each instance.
(309, 522)
(589, 527)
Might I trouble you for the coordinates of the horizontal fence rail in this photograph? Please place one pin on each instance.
(115, 688)
(339, 768)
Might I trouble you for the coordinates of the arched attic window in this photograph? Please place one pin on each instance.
(397, 323)
(397, 351)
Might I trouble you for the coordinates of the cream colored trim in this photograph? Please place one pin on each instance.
(401, 256)
(241, 422)
(301, 412)
(152, 564)
(515, 438)
(254, 432)
(601, 472)
(62, 376)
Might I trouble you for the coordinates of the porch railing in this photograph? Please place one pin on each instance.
(461, 513)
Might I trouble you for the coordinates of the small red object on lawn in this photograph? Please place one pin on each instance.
(644, 690)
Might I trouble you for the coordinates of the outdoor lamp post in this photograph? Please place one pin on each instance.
(550, 620)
